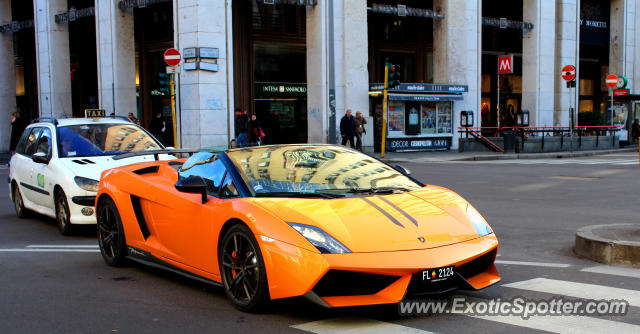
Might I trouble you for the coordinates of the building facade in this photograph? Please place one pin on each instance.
(300, 64)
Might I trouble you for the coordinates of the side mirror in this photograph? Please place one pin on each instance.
(193, 185)
(402, 170)
(40, 157)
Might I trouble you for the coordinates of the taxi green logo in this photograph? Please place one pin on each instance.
(40, 180)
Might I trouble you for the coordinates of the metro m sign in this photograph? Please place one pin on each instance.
(505, 64)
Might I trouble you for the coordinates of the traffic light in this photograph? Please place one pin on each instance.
(394, 76)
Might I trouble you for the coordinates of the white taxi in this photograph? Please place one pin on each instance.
(58, 162)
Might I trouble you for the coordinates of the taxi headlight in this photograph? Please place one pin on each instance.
(320, 239)
(86, 183)
(478, 222)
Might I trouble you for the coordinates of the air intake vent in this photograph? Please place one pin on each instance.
(147, 170)
(137, 209)
(79, 162)
(350, 283)
(476, 266)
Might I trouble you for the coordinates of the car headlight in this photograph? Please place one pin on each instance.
(478, 222)
(86, 183)
(320, 239)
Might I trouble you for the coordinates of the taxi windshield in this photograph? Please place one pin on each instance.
(86, 140)
(315, 169)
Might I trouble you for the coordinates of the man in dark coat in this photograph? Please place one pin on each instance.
(17, 127)
(347, 129)
(242, 123)
(157, 127)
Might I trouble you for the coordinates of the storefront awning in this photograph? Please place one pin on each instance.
(413, 97)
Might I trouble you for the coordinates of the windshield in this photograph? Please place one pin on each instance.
(88, 140)
(309, 169)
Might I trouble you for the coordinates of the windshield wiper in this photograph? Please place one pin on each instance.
(378, 190)
(297, 194)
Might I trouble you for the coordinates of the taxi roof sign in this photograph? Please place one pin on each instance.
(93, 113)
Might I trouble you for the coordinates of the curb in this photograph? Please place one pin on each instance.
(553, 155)
(604, 250)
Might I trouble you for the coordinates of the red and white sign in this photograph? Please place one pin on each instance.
(612, 80)
(505, 64)
(568, 72)
(620, 92)
(172, 57)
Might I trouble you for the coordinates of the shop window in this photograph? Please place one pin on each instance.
(586, 87)
(486, 83)
(429, 118)
(396, 118)
(585, 105)
(444, 117)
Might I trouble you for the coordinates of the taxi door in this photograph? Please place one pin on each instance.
(41, 172)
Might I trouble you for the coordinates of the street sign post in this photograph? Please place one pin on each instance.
(569, 75)
(172, 57)
(384, 109)
(612, 82)
(505, 66)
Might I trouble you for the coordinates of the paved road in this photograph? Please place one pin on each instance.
(534, 208)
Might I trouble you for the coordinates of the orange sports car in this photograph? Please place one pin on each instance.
(320, 221)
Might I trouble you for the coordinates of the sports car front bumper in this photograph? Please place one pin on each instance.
(352, 279)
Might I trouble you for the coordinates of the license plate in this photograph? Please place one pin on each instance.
(437, 274)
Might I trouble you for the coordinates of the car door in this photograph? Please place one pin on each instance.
(42, 171)
(184, 224)
(25, 168)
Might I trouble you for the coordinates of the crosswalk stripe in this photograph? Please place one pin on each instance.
(578, 290)
(564, 323)
(356, 325)
(534, 264)
(614, 270)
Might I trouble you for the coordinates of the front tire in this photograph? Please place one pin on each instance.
(63, 215)
(113, 245)
(18, 203)
(242, 270)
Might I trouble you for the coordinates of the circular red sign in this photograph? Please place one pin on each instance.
(172, 57)
(612, 80)
(568, 72)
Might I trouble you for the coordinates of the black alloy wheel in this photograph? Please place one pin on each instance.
(242, 270)
(63, 215)
(18, 203)
(113, 246)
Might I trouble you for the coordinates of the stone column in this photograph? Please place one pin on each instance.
(456, 53)
(539, 70)
(354, 57)
(623, 36)
(52, 56)
(566, 53)
(116, 58)
(7, 78)
(317, 76)
(205, 98)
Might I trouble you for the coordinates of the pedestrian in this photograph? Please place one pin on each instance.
(133, 119)
(255, 133)
(157, 127)
(635, 130)
(359, 123)
(347, 128)
(17, 127)
(242, 123)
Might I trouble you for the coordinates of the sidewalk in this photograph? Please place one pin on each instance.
(470, 156)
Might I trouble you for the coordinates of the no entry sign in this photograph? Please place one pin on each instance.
(568, 72)
(172, 57)
(612, 80)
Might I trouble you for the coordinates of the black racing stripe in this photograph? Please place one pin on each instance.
(36, 189)
(395, 221)
(137, 209)
(415, 222)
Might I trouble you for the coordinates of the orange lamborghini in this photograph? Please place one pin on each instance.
(324, 222)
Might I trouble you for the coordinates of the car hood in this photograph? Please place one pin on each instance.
(92, 167)
(383, 222)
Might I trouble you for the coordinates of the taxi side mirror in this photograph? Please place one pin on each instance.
(193, 185)
(40, 157)
(402, 170)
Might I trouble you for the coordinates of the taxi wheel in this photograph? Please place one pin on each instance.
(63, 216)
(113, 245)
(242, 269)
(18, 203)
